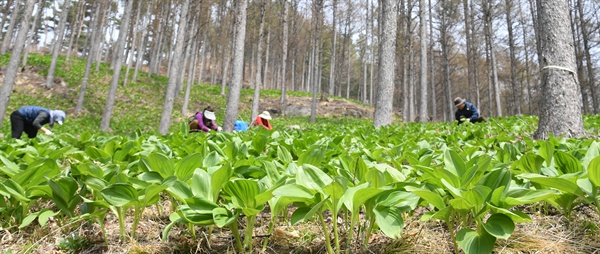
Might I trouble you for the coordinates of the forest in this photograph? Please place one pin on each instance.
(125, 175)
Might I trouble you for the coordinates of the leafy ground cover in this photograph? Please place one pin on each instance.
(338, 185)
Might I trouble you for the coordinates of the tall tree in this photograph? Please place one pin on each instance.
(491, 61)
(233, 96)
(57, 45)
(258, 77)
(516, 106)
(560, 110)
(585, 35)
(284, 54)
(385, 80)
(333, 50)
(14, 17)
(112, 93)
(318, 17)
(93, 50)
(165, 118)
(423, 117)
(15, 57)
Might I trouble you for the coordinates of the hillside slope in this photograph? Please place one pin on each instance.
(139, 104)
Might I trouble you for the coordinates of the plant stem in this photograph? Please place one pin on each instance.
(121, 217)
(368, 233)
(335, 232)
(236, 233)
(136, 220)
(248, 233)
(349, 234)
(271, 226)
(326, 233)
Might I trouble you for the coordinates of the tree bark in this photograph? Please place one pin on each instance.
(94, 45)
(333, 50)
(423, 109)
(258, 77)
(387, 56)
(112, 93)
(58, 39)
(15, 57)
(233, 97)
(284, 55)
(560, 110)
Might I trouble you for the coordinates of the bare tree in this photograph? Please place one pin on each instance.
(8, 36)
(318, 14)
(385, 80)
(585, 35)
(165, 118)
(57, 45)
(560, 110)
(258, 77)
(13, 64)
(423, 117)
(489, 35)
(284, 54)
(93, 50)
(333, 50)
(233, 97)
(112, 93)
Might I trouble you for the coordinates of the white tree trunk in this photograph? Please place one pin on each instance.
(165, 118)
(15, 57)
(560, 110)
(387, 56)
(233, 97)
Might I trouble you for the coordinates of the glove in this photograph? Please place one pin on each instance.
(219, 128)
(48, 132)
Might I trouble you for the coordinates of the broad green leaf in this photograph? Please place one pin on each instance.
(64, 194)
(294, 191)
(211, 160)
(36, 173)
(460, 203)
(28, 220)
(223, 217)
(401, 200)
(243, 193)
(284, 155)
(98, 154)
(151, 194)
(259, 143)
(159, 163)
(44, 216)
(195, 216)
(526, 196)
(454, 163)
(180, 190)
(218, 178)
(389, 220)
(515, 215)
(561, 184)
(500, 226)
(547, 151)
(433, 198)
(566, 163)
(313, 156)
(9, 167)
(531, 163)
(594, 171)
(201, 184)
(335, 191)
(119, 194)
(305, 213)
(496, 179)
(184, 169)
(473, 243)
(15, 190)
(592, 152)
(312, 177)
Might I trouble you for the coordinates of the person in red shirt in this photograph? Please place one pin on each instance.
(263, 120)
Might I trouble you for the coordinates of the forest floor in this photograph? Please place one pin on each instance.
(548, 233)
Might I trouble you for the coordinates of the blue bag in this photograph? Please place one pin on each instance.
(240, 126)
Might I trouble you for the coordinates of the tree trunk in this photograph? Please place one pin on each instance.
(81, 18)
(58, 39)
(432, 66)
(112, 93)
(560, 110)
(258, 77)
(423, 108)
(489, 35)
(333, 50)
(387, 56)
(588, 58)
(13, 64)
(513, 60)
(233, 97)
(94, 45)
(6, 41)
(165, 119)
(284, 55)
(265, 83)
(318, 12)
(30, 33)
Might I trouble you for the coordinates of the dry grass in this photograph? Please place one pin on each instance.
(546, 234)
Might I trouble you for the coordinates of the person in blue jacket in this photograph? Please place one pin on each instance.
(466, 111)
(31, 119)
